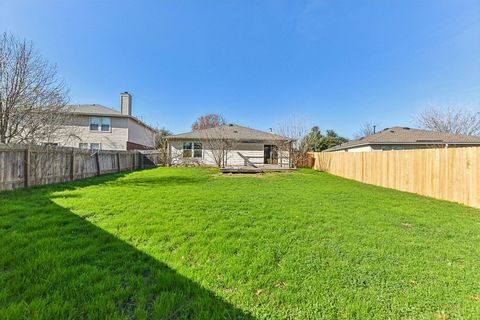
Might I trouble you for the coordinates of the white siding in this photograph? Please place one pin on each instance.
(122, 130)
(360, 149)
(116, 139)
(284, 160)
(253, 151)
(140, 134)
(383, 148)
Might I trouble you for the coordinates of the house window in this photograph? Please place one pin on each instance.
(192, 150)
(187, 149)
(105, 124)
(100, 124)
(197, 150)
(94, 123)
(94, 147)
(83, 146)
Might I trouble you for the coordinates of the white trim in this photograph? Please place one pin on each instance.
(100, 124)
(192, 150)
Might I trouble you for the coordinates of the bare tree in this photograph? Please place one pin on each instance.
(366, 129)
(300, 140)
(215, 137)
(160, 138)
(32, 99)
(161, 145)
(455, 121)
(219, 142)
(208, 121)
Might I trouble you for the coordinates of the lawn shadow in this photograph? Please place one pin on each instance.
(55, 264)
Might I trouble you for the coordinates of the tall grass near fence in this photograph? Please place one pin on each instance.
(25, 166)
(448, 174)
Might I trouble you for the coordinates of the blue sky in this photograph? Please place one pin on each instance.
(335, 64)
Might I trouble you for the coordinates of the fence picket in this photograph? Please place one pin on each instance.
(449, 174)
(23, 166)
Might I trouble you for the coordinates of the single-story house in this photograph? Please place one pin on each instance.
(229, 145)
(400, 138)
(96, 127)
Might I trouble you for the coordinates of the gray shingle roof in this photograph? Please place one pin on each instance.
(93, 109)
(408, 136)
(100, 110)
(229, 131)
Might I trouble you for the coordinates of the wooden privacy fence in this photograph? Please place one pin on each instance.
(25, 166)
(449, 174)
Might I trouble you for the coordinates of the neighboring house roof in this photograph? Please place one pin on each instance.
(229, 131)
(100, 110)
(94, 109)
(408, 136)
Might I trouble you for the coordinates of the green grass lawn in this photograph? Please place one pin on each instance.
(179, 243)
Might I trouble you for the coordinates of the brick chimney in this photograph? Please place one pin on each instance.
(126, 103)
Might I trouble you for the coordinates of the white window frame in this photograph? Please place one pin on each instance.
(100, 121)
(106, 121)
(96, 143)
(192, 150)
(85, 146)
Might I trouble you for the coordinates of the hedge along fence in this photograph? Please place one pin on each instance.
(448, 174)
(25, 166)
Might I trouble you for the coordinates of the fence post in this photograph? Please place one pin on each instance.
(133, 163)
(118, 162)
(97, 160)
(26, 167)
(169, 155)
(141, 160)
(72, 165)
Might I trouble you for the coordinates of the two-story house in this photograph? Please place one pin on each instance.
(97, 127)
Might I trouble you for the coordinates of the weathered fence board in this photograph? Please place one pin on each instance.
(450, 174)
(24, 166)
